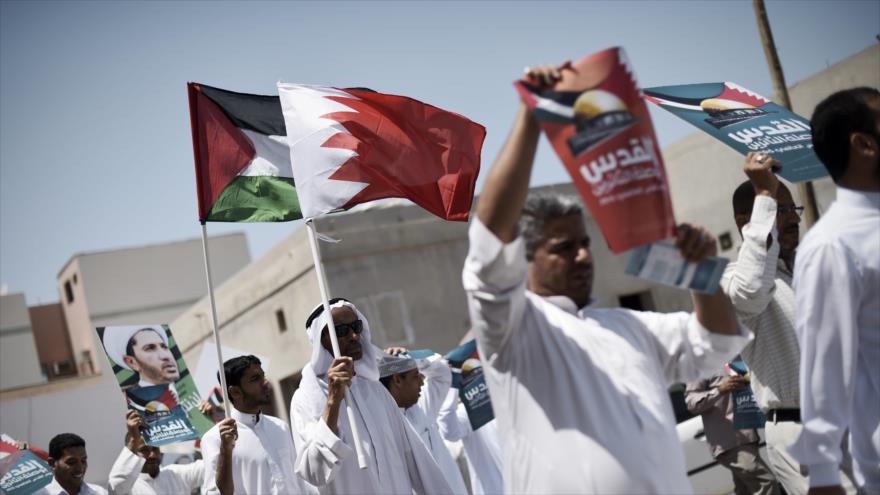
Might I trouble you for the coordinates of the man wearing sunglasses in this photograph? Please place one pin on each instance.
(397, 460)
(759, 285)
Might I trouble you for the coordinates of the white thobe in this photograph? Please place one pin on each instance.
(581, 396)
(837, 290)
(481, 447)
(126, 476)
(54, 488)
(397, 460)
(262, 460)
(423, 418)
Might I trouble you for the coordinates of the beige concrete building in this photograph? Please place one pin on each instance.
(148, 284)
(19, 365)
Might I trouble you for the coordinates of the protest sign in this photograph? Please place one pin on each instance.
(661, 262)
(600, 127)
(166, 421)
(147, 355)
(745, 121)
(21, 472)
(468, 378)
(746, 413)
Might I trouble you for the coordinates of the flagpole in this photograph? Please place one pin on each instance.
(222, 372)
(334, 342)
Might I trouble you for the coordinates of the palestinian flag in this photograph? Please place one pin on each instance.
(350, 146)
(243, 171)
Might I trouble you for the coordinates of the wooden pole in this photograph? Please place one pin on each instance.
(805, 189)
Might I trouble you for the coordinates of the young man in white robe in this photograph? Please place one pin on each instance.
(580, 395)
(250, 452)
(397, 460)
(419, 387)
(138, 470)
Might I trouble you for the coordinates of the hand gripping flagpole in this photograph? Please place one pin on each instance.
(331, 329)
(226, 404)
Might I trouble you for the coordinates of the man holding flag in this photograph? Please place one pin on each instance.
(397, 460)
(579, 394)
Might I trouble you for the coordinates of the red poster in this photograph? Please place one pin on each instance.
(599, 125)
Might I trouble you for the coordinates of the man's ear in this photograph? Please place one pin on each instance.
(51, 461)
(234, 392)
(863, 144)
(132, 363)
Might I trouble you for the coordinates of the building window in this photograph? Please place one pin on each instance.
(726, 241)
(640, 301)
(389, 318)
(68, 291)
(282, 322)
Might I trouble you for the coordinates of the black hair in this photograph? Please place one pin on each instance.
(64, 441)
(744, 199)
(129, 347)
(539, 209)
(234, 369)
(835, 119)
(320, 309)
(386, 380)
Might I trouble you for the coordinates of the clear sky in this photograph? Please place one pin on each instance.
(95, 144)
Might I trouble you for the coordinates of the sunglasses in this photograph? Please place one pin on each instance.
(782, 210)
(342, 329)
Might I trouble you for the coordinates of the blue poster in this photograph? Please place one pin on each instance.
(166, 420)
(746, 414)
(22, 472)
(468, 378)
(746, 122)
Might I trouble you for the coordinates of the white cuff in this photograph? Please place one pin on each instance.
(338, 449)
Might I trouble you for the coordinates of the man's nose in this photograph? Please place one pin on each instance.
(584, 255)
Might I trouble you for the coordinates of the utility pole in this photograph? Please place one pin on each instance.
(805, 189)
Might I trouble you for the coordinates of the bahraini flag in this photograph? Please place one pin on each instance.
(350, 146)
(243, 170)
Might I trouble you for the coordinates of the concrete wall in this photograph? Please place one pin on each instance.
(83, 342)
(19, 364)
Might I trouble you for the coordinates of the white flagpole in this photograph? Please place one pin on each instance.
(226, 404)
(331, 329)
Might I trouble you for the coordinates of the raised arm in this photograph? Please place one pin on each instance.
(128, 465)
(713, 311)
(438, 380)
(507, 184)
(750, 282)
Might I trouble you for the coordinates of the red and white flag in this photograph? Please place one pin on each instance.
(350, 146)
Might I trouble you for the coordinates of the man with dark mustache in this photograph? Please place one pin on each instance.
(580, 395)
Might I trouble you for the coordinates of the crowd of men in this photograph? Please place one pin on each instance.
(580, 394)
